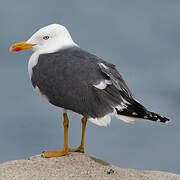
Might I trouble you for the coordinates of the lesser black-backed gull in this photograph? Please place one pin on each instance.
(73, 79)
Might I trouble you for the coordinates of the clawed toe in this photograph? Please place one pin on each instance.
(58, 153)
(79, 149)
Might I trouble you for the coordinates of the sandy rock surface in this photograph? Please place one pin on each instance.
(75, 166)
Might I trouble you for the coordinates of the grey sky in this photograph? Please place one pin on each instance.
(141, 37)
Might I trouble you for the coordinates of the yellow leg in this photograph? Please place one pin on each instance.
(81, 147)
(64, 151)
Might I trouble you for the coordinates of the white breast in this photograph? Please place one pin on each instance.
(32, 62)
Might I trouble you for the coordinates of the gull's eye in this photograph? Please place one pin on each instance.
(46, 37)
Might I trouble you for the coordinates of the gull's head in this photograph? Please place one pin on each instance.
(46, 40)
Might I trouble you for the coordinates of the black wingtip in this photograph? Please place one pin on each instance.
(158, 118)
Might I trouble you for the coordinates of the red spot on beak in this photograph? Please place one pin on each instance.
(16, 49)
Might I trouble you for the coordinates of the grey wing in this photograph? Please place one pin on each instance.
(67, 79)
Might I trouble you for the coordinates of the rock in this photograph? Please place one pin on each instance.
(75, 166)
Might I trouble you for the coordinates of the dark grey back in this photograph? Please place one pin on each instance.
(67, 77)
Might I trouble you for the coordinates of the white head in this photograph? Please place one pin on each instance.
(47, 40)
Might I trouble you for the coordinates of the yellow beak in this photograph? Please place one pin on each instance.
(20, 46)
